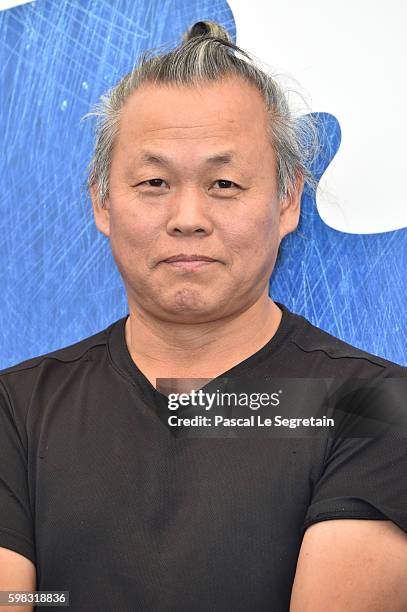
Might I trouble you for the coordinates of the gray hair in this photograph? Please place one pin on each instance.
(207, 54)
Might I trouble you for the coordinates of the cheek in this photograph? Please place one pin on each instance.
(132, 237)
(253, 237)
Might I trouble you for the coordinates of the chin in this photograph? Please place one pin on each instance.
(188, 307)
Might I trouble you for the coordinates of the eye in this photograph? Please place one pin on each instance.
(225, 184)
(153, 182)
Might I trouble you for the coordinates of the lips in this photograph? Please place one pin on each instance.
(183, 257)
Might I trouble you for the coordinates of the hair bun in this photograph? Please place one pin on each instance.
(206, 28)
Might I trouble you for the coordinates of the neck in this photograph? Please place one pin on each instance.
(163, 349)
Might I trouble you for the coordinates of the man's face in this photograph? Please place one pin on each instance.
(226, 208)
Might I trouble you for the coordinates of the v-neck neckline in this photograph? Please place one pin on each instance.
(120, 356)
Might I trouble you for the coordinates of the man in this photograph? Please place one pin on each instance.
(98, 495)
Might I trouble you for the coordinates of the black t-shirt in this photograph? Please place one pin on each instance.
(113, 507)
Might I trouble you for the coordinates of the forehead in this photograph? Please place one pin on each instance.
(231, 111)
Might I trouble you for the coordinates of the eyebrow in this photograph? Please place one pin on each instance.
(220, 159)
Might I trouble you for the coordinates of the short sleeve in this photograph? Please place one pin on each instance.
(16, 525)
(366, 477)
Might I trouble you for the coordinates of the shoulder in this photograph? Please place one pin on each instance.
(18, 381)
(68, 353)
(332, 354)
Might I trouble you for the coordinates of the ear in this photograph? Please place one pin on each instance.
(101, 215)
(290, 209)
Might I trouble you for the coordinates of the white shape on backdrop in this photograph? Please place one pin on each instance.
(348, 59)
(5, 4)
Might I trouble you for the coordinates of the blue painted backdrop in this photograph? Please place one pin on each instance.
(59, 280)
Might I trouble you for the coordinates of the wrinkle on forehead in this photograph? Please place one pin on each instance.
(144, 128)
(174, 132)
(183, 127)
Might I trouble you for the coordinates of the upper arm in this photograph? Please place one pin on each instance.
(17, 573)
(352, 565)
(16, 516)
(17, 543)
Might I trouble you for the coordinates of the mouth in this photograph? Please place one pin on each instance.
(189, 262)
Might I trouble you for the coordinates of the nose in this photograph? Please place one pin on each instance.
(189, 214)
